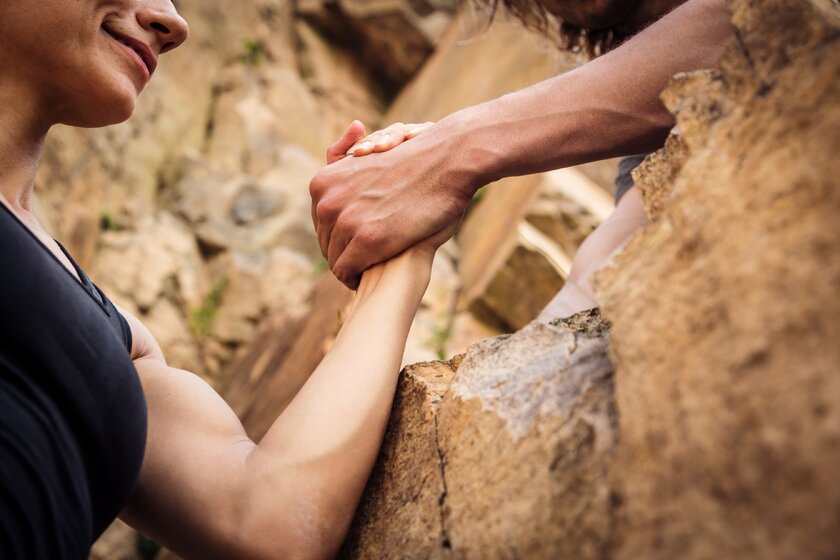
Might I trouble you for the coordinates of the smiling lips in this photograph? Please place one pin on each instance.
(138, 49)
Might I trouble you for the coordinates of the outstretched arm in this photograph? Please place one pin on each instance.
(207, 491)
(367, 209)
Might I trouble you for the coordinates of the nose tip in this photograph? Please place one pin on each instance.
(170, 28)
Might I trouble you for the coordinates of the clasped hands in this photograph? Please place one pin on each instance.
(367, 210)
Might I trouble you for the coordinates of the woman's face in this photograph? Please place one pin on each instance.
(85, 61)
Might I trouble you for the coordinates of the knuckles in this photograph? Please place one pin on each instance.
(368, 236)
(327, 210)
(317, 186)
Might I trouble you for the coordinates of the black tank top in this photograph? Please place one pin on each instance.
(72, 411)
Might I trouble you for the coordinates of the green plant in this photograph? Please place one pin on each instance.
(146, 547)
(320, 267)
(107, 222)
(253, 52)
(202, 318)
(440, 336)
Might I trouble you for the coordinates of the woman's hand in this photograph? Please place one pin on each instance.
(355, 142)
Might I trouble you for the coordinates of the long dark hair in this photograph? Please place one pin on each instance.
(534, 15)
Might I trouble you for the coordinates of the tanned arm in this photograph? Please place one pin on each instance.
(367, 209)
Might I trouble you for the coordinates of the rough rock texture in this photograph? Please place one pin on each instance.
(372, 30)
(486, 451)
(723, 437)
(727, 397)
(531, 272)
(406, 517)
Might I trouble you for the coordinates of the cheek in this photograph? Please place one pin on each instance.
(103, 84)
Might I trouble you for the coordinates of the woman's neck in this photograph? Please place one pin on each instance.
(24, 128)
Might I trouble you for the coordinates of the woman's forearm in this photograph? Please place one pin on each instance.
(608, 107)
(317, 456)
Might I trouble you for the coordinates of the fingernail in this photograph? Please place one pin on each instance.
(384, 140)
(363, 146)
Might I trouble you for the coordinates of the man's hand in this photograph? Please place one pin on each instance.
(367, 210)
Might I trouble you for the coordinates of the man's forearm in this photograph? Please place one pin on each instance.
(606, 108)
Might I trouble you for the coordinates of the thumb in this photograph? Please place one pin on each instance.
(354, 133)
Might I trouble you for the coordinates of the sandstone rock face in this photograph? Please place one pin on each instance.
(720, 438)
(485, 452)
(518, 242)
(725, 311)
(373, 29)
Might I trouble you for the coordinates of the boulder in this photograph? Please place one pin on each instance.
(528, 271)
(500, 453)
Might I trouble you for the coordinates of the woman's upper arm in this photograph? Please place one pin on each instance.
(194, 466)
(193, 473)
(143, 342)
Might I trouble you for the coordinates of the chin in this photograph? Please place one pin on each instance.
(104, 110)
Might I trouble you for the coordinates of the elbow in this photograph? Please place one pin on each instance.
(297, 532)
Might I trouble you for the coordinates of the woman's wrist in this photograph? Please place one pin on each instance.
(409, 271)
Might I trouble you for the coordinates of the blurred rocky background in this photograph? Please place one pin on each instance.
(702, 424)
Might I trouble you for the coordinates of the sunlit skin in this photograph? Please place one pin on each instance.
(367, 208)
(205, 489)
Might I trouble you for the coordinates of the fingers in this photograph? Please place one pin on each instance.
(355, 259)
(337, 243)
(354, 133)
(378, 140)
(388, 138)
(325, 209)
(418, 130)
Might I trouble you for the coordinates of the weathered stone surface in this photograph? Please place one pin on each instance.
(402, 517)
(501, 455)
(725, 311)
(372, 29)
(655, 176)
(531, 270)
(342, 86)
(457, 76)
(725, 327)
